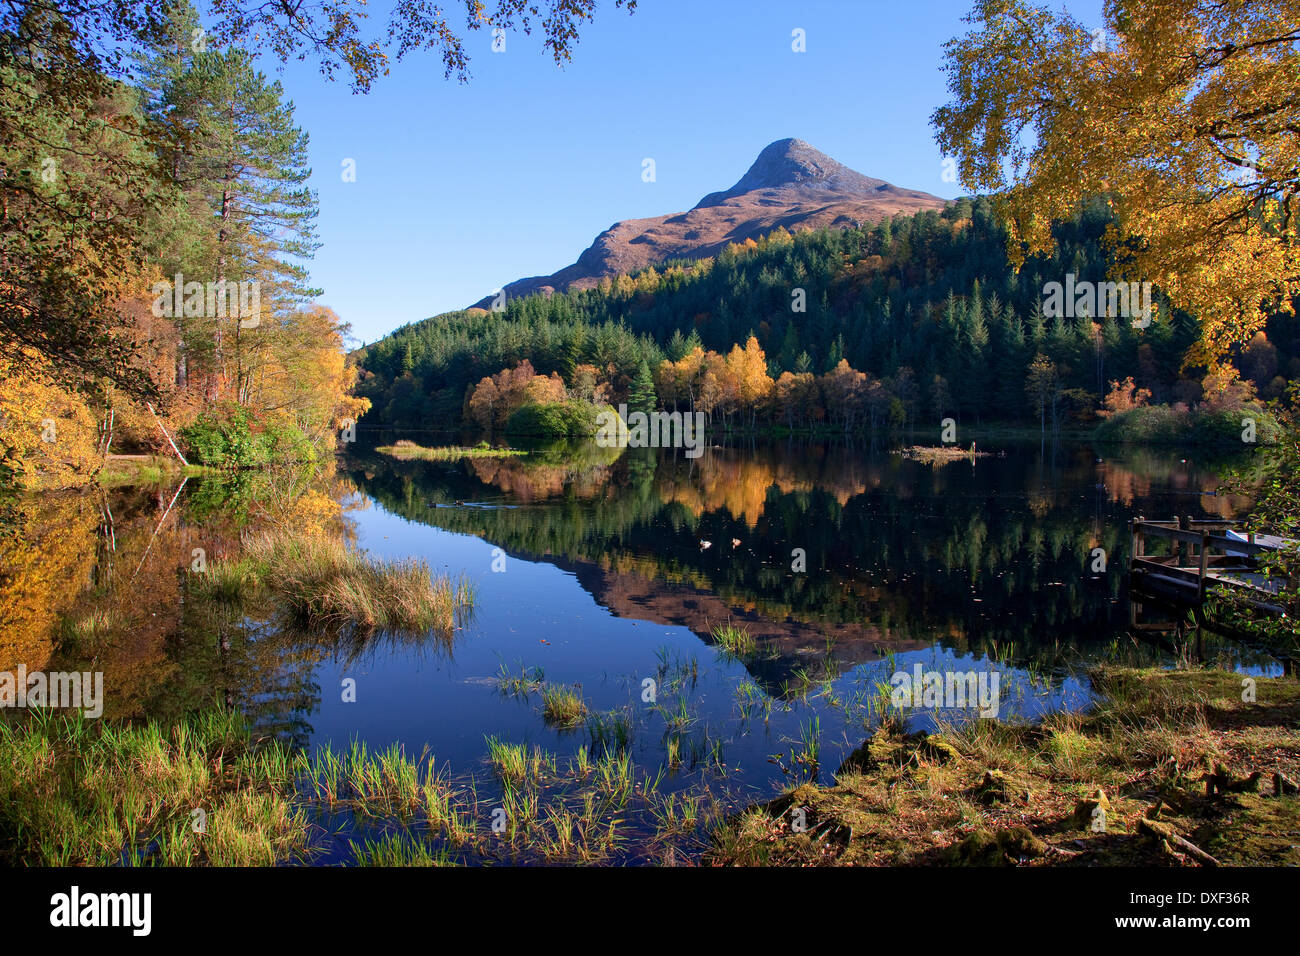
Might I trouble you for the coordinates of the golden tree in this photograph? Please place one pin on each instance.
(1184, 114)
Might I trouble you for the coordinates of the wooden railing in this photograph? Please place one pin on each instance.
(1199, 558)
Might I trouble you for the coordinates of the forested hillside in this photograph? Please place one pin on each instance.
(915, 319)
(157, 227)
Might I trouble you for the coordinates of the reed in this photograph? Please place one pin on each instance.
(610, 731)
(562, 706)
(80, 792)
(408, 450)
(324, 584)
(734, 639)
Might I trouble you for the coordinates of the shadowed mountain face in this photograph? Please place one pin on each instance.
(790, 185)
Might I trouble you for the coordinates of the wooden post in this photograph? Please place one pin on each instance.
(1184, 558)
(1200, 581)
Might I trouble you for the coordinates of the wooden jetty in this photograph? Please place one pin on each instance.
(1203, 554)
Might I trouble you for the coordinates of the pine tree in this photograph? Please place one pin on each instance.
(642, 397)
(789, 347)
(836, 353)
(1011, 362)
(247, 161)
(975, 341)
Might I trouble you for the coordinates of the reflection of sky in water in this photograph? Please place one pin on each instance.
(537, 615)
(960, 569)
(1020, 695)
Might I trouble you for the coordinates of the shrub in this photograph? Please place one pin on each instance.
(1151, 423)
(554, 419)
(223, 436)
(230, 436)
(1161, 424)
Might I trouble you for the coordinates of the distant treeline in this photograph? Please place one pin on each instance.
(916, 318)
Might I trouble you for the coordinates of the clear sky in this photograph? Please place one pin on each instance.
(462, 188)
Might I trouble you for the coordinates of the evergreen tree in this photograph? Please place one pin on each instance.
(245, 160)
(642, 396)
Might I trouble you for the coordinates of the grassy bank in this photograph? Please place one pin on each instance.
(1181, 768)
(96, 793)
(122, 470)
(1171, 768)
(409, 450)
(78, 792)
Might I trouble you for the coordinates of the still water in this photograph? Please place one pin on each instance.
(609, 571)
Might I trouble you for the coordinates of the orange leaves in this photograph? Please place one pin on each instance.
(497, 396)
(1124, 396)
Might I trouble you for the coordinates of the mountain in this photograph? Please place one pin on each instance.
(790, 184)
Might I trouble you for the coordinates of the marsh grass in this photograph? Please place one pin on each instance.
(994, 792)
(386, 782)
(78, 792)
(673, 751)
(516, 764)
(932, 455)
(90, 627)
(808, 753)
(580, 765)
(322, 583)
(408, 450)
(229, 581)
(705, 750)
(396, 850)
(678, 718)
(675, 672)
(529, 680)
(735, 640)
(610, 731)
(81, 792)
(562, 706)
(614, 776)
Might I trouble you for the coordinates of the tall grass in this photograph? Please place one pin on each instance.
(323, 584)
(398, 849)
(522, 684)
(83, 792)
(610, 731)
(407, 450)
(79, 792)
(734, 639)
(516, 765)
(562, 706)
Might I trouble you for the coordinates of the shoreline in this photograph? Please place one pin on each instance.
(1171, 767)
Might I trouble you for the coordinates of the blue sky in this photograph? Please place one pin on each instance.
(462, 188)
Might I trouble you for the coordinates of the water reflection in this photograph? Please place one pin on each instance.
(845, 565)
(986, 556)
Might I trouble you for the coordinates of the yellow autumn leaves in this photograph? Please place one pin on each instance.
(1183, 112)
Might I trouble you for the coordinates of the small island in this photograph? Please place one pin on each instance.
(407, 450)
